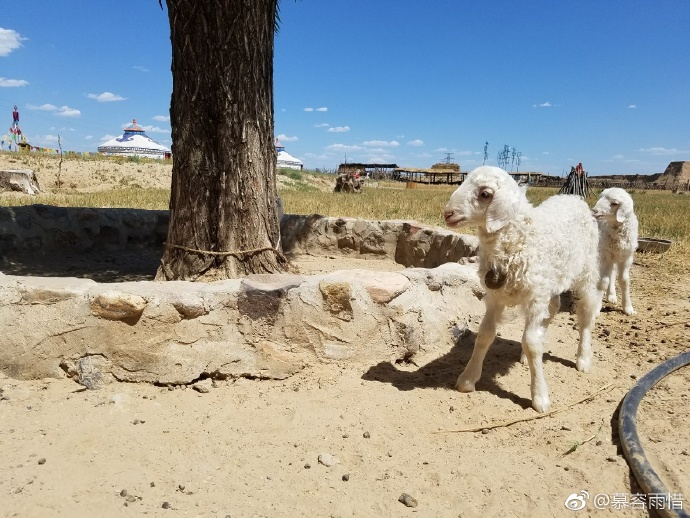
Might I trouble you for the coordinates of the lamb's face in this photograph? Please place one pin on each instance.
(614, 205)
(487, 198)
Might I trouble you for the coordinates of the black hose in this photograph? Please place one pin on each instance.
(627, 430)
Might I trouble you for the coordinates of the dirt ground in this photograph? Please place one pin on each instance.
(343, 439)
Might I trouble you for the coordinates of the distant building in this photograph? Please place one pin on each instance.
(285, 159)
(134, 142)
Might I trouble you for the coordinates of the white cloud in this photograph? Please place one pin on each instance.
(309, 109)
(546, 104)
(140, 68)
(150, 129)
(43, 107)
(9, 83)
(617, 157)
(9, 40)
(322, 125)
(45, 139)
(343, 147)
(339, 129)
(663, 151)
(106, 97)
(632, 106)
(64, 111)
(415, 143)
(107, 137)
(284, 138)
(161, 118)
(324, 109)
(380, 159)
(381, 143)
(88, 137)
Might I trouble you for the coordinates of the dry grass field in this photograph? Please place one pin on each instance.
(138, 183)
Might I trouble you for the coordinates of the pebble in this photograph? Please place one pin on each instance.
(612, 459)
(346, 477)
(123, 492)
(204, 386)
(42, 460)
(407, 500)
(366, 435)
(328, 460)
(166, 505)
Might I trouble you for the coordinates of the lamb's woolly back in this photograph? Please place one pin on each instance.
(528, 256)
(524, 242)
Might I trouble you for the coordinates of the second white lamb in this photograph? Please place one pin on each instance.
(615, 214)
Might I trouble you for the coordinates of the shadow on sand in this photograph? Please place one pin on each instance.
(442, 373)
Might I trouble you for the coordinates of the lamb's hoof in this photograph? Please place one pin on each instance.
(523, 359)
(584, 364)
(629, 311)
(611, 299)
(464, 385)
(541, 404)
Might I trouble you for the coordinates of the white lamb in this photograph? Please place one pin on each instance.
(528, 256)
(617, 221)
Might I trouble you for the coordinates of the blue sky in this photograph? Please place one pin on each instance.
(602, 83)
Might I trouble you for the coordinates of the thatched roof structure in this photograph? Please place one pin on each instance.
(434, 175)
(446, 166)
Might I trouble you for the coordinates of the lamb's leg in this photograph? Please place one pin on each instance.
(485, 336)
(611, 291)
(533, 348)
(588, 307)
(624, 281)
(554, 306)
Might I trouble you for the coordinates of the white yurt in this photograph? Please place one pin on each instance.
(134, 142)
(285, 159)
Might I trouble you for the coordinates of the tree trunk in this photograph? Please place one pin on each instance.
(223, 206)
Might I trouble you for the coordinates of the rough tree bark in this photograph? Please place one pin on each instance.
(223, 209)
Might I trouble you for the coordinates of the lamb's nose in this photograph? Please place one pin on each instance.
(448, 214)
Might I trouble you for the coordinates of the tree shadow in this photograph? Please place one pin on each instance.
(443, 372)
(101, 266)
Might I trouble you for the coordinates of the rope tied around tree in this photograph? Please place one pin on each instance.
(225, 253)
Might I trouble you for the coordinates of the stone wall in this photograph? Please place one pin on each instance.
(263, 326)
(31, 232)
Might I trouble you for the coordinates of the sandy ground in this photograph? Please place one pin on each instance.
(344, 439)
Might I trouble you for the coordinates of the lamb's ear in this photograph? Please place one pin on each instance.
(501, 210)
(621, 214)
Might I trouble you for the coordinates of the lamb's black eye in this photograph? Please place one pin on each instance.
(485, 195)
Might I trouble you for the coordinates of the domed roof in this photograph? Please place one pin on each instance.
(134, 142)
